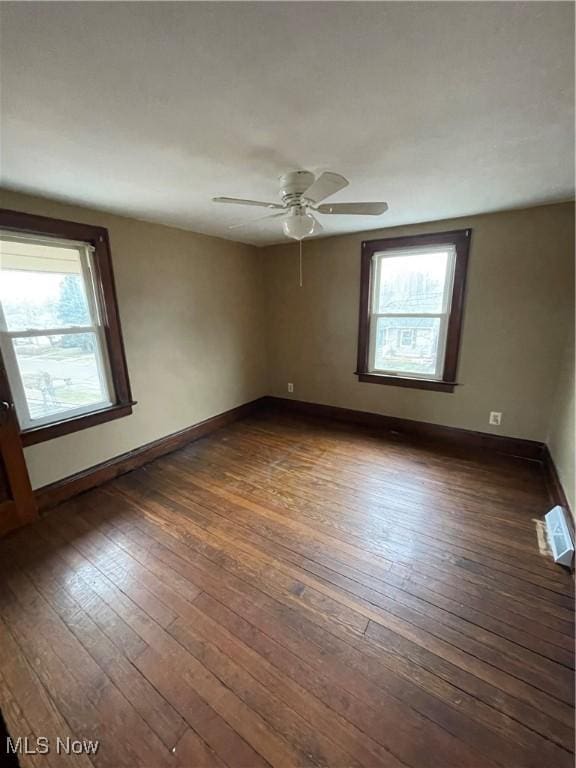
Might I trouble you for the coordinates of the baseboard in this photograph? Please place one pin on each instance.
(553, 483)
(55, 493)
(464, 439)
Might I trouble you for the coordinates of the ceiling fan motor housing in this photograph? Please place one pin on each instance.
(293, 185)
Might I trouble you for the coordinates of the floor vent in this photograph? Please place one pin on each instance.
(560, 536)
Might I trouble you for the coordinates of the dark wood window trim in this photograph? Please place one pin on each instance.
(461, 241)
(104, 281)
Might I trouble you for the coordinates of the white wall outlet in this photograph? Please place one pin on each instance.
(495, 418)
(290, 387)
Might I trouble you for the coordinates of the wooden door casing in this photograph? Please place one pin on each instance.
(17, 503)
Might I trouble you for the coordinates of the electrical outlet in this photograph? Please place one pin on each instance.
(495, 418)
(290, 387)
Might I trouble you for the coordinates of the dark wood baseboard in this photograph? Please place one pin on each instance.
(463, 439)
(55, 493)
(555, 488)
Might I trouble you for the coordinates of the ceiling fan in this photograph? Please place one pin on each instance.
(301, 194)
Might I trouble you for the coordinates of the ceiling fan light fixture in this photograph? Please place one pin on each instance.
(300, 194)
(299, 224)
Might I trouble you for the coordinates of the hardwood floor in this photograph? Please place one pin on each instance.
(288, 593)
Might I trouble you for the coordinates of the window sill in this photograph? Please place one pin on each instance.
(67, 426)
(402, 381)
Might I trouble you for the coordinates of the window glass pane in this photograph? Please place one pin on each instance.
(60, 373)
(41, 286)
(412, 282)
(407, 344)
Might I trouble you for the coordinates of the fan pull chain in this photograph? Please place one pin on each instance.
(300, 262)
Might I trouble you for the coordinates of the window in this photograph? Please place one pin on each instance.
(412, 291)
(60, 335)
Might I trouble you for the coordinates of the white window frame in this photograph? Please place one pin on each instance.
(443, 315)
(96, 327)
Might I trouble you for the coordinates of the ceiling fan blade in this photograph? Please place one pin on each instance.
(260, 218)
(325, 185)
(241, 201)
(354, 209)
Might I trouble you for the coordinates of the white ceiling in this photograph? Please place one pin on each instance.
(150, 109)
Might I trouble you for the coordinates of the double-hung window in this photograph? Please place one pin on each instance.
(411, 309)
(60, 337)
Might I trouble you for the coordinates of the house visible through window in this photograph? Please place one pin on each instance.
(406, 337)
(57, 343)
(412, 293)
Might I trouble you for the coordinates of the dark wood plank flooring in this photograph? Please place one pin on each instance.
(289, 593)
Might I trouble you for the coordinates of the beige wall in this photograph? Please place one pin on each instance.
(517, 311)
(192, 309)
(195, 311)
(562, 428)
